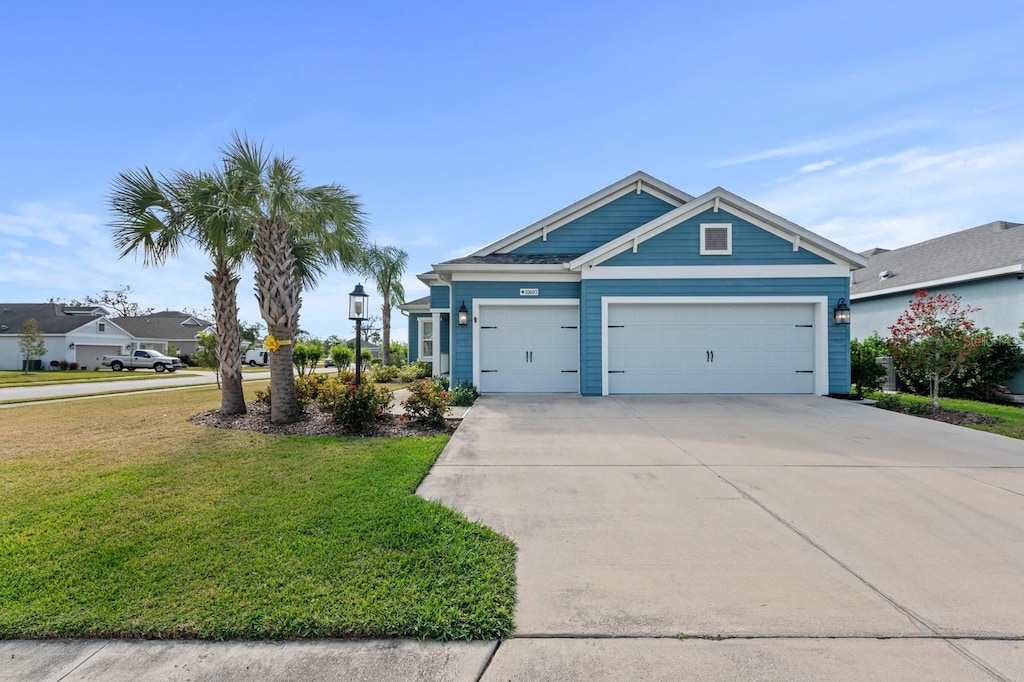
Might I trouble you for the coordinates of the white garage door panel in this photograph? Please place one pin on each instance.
(710, 348)
(529, 349)
(90, 356)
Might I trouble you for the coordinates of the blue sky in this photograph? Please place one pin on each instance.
(871, 123)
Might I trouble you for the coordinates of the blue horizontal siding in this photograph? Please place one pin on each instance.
(680, 245)
(462, 343)
(593, 290)
(600, 225)
(414, 335)
(439, 297)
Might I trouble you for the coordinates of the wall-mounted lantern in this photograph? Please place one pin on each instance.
(842, 312)
(463, 315)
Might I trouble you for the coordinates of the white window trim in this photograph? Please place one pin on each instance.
(420, 355)
(728, 239)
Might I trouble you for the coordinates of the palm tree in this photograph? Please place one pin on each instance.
(384, 265)
(298, 233)
(157, 217)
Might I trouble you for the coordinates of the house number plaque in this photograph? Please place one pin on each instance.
(529, 292)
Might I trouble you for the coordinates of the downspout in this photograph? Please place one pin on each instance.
(408, 348)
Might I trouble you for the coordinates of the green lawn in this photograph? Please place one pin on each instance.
(1011, 418)
(165, 529)
(9, 379)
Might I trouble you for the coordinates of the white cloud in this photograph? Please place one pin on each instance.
(905, 197)
(824, 144)
(48, 223)
(819, 166)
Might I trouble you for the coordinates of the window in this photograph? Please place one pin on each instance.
(426, 350)
(102, 326)
(716, 239)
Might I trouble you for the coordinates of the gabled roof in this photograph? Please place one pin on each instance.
(169, 325)
(996, 248)
(636, 182)
(52, 318)
(416, 305)
(715, 199)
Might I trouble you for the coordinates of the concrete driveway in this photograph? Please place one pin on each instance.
(816, 537)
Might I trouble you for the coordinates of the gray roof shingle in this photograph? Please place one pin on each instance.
(515, 259)
(52, 318)
(993, 245)
(168, 325)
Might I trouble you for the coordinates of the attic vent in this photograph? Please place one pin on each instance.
(716, 239)
(886, 274)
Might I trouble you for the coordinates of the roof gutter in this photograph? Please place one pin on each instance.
(1016, 269)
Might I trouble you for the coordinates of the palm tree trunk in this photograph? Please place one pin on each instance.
(385, 320)
(224, 283)
(278, 293)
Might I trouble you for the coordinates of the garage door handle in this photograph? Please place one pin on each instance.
(485, 371)
(564, 327)
(805, 371)
(568, 371)
(616, 326)
(616, 371)
(488, 327)
(809, 326)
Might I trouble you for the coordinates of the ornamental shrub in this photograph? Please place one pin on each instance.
(934, 337)
(866, 374)
(354, 407)
(307, 388)
(464, 394)
(427, 401)
(381, 373)
(442, 381)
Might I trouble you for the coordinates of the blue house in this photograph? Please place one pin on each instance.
(642, 288)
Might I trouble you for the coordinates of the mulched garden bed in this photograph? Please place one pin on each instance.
(316, 422)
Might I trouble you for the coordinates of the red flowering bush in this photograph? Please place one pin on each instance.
(934, 337)
(428, 400)
(354, 407)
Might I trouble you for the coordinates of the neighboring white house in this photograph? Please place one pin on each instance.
(84, 334)
(81, 335)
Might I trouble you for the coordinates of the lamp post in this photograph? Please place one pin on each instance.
(357, 302)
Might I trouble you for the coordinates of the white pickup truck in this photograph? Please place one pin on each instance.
(146, 359)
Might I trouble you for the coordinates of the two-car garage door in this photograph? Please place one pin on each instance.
(710, 348)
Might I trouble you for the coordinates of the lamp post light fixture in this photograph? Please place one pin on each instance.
(842, 312)
(463, 315)
(357, 302)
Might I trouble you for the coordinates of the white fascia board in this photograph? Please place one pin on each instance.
(440, 310)
(969, 277)
(820, 304)
(714, 271)
(639, 179)
(428, 277)
(497, 267)
(414, 309)
(740, 208)
(481, 276)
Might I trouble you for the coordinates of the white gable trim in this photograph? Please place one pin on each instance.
(736, 206)
(634, 183)
(714, 271)
(969, 277)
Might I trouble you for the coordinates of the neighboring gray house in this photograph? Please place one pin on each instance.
(983, 265)
(81, 335)
(643, 288)
(84, 334)
(158, 331)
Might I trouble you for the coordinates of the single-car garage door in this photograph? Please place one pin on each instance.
(529, 349)
(710, 348)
